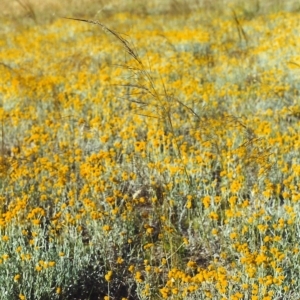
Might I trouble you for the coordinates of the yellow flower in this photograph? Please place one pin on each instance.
(17, 277)
(24, 232)
(138, 277)
(108, 276)
(206, 201)
(5, 256)
(189, 204)
(277, 238)
(106, 228)
(5, 238)
(164, 292)
(233, 235)
(192, 264)
(261, 258)
(214, 231)
(51, 263)
(192, 288)
(214, 216)
(149, 245)
(36, 222)
(120, 260)
(148, 269)
(38, 268)
(262, 227)
(131, 269)
(185, 240)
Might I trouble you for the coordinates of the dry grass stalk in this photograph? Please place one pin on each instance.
(124, 42)
(163, 108)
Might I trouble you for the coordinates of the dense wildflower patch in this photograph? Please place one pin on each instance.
(168, 172)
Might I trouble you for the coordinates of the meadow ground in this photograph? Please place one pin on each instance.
(153, 155)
